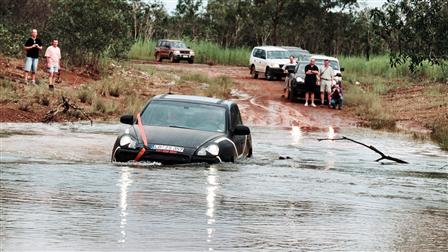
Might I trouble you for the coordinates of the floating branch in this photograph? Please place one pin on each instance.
(63, 107)
(383, 156)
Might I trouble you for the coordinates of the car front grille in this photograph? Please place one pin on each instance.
(166, 157)
(185, 52)
(281, 65)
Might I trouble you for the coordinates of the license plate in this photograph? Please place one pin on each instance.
(166, 148)
(185, 56)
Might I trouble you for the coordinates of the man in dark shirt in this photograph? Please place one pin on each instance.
(311, 72)
(32, 47)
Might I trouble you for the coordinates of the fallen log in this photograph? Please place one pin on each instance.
(383, 156)
(64, 106)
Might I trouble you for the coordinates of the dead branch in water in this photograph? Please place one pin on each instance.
(63, 107)
(383, 156)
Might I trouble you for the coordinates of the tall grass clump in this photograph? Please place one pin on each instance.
(7, 91)
(439, 132)
(142, 49)
(219, 87)
(205, 52)
(369, 106)
(358, 69)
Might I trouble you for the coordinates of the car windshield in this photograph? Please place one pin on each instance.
(333, 63)
(301, 55)
(278, 55)
(185, 115)
(178, 45)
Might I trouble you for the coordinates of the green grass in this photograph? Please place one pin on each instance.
(205, 52)
(7, 91)
(359, 69)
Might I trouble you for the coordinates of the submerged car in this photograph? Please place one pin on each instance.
(173, 129)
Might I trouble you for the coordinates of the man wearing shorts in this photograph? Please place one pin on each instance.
(326, 80)
(53, 56)
(32, 47)
(311, 72)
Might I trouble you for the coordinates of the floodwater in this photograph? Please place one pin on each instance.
(60, 192)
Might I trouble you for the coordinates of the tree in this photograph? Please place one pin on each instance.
(415, 30)
(88, 29)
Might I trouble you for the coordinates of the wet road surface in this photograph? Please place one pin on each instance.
(60, 192)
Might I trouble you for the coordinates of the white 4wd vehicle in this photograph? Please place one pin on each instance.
(268, 60)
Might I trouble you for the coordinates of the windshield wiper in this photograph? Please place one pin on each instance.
(179, 127)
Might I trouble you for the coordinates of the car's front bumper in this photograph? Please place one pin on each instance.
(277, 71)
(184, 56)
(125, 155)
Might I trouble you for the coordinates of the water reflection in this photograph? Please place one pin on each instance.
(212, 187)
(296, 134)
(124, 183)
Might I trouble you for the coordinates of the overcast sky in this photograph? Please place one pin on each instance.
(170, 5)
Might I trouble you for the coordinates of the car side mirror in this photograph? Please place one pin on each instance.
(127, 119)
(342, 69)
(241, 130)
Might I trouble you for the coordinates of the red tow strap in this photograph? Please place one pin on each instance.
(143, 136)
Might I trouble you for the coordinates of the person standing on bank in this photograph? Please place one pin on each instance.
(53, 56)
(311, 73)
(32, 47)
(326, 80)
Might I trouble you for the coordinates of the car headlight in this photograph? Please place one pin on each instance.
(212, 149)
(176, 52)
(192, 53)
(127, 141)
(275, 65)
(299, 79)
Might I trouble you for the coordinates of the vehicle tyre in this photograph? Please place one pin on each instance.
(158, 58)
(291, 96)
(172, 58)
(253, 73)
(268, 74)
(190, 61)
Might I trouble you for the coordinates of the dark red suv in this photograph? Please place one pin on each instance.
(175, 50)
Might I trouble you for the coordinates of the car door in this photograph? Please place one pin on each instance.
(164, 49)
(239, 140)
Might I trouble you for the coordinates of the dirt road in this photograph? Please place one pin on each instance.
(261, 101)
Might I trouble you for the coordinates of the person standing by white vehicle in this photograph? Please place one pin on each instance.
(326, 80)
(292, 61)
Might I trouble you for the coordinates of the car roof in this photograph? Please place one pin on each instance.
(271, 48)
(194, 99)
(320, 56)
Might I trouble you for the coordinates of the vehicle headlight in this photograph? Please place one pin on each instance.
(212, 149)
(273, 65)
(192, 53)
(127, 141)
(176, 52)
(299, 79)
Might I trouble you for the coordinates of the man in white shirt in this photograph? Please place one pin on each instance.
(326, 80)
(53, 56)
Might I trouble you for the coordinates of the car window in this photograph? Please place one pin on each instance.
(255, 53)
(178, 44)
(185, 115)
(277, 55)
(262, 54)
(333, 63)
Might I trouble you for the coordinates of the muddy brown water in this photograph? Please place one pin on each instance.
(60, 192)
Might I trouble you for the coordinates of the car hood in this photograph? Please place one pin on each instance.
(188, 138)
(181, 49)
